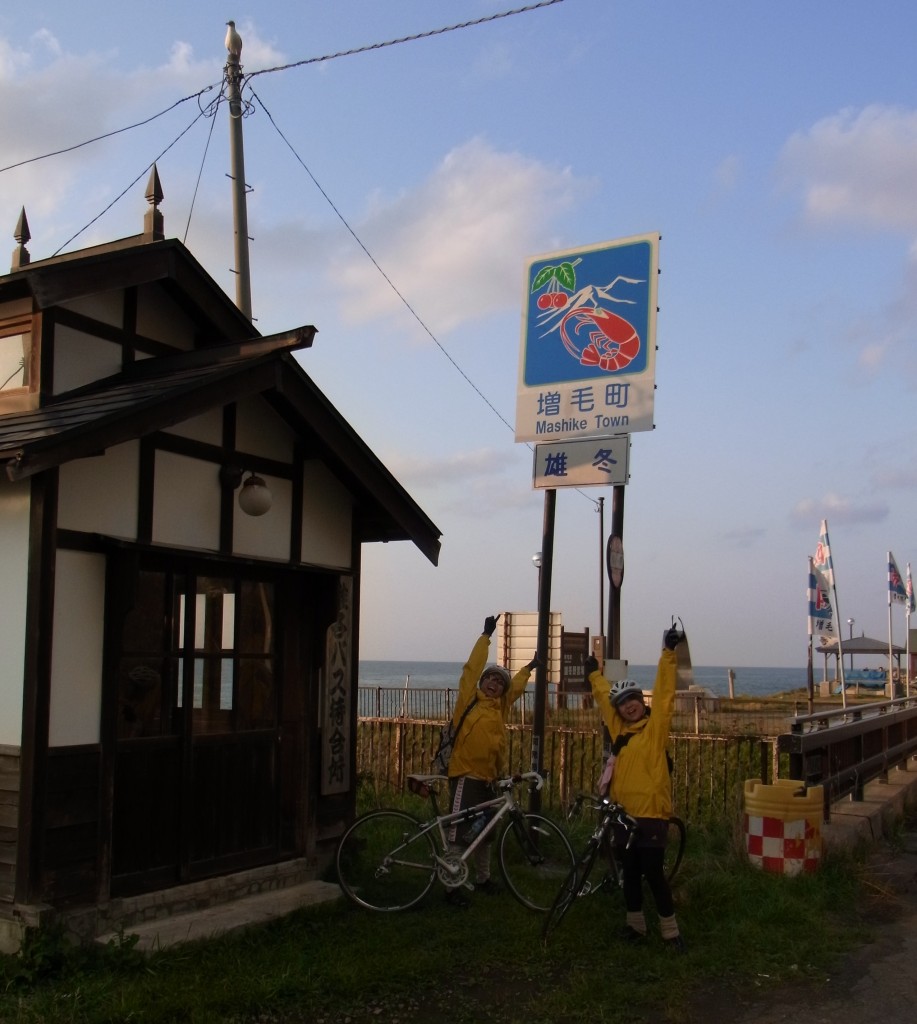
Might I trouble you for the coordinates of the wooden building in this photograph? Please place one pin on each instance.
(182, 513)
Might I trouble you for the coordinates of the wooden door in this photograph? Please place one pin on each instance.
(195, 777)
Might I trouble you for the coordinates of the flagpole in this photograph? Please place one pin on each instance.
(824, 561)
(908, 608)
(810, 676)
(840, 648)
(891, 685)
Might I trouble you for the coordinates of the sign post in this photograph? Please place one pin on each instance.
(586, 381)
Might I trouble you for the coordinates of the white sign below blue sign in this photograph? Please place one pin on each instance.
(589, 462)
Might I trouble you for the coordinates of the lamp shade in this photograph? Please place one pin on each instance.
(255, 497)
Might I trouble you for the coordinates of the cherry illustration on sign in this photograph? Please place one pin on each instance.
(589, 331)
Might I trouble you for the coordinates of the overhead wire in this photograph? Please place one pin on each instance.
(108, 135)
(377, 265)
(130, 185)
(388, 279)
(408, 39)
(213, 108)
(210, 110)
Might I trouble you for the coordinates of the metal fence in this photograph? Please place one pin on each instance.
(714, 752)
(695, 712)
(717, 745)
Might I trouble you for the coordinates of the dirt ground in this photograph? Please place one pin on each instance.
(876, 984)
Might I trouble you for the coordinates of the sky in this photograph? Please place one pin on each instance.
(397, 194)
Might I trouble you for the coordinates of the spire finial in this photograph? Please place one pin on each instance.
(153, 229)
(22, 234)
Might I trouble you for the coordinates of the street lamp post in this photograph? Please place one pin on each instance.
(850, 623)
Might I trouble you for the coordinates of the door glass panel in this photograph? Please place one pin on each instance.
(214, 635)
(143, 665)
(220, 630)
(256, 694)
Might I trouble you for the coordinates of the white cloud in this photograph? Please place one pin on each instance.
(857, 167)
(457, 467)
(727, 172)
(456, 244)
(840, 510)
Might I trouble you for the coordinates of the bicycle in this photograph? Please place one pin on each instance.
(577, 884)
(389, 859)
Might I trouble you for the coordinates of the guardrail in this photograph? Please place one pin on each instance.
(843, 749)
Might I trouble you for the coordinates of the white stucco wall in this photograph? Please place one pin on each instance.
(99, 494)
(208, 427)
(261, 431)
(76, 654)
(266, 536)
(14, 556)
(160, 318)
(105, 306)
(186, 502)
(81, 358)
(327, 518)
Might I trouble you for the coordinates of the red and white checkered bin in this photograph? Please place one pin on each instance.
(783, 826)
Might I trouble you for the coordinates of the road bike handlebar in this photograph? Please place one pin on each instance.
(536, 778)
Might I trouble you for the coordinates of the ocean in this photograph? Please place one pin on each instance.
(749, 682)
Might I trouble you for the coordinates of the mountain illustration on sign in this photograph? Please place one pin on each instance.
(590, 332)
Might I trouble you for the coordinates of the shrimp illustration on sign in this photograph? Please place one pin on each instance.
(590, 332)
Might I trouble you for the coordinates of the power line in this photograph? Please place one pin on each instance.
(376, 264)
(390, 283)
(284, 67)
(108, 135)
(127, 189)
(407, 39)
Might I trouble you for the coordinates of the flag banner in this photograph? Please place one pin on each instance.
(821, 614)
(909, 587)
(896, 590)
(822, 559)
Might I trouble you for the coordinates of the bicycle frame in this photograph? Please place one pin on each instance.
(388, 859)
(504, 804)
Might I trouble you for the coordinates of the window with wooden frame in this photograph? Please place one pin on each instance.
(16, 353)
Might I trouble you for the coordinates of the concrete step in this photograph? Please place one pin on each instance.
(207, 922)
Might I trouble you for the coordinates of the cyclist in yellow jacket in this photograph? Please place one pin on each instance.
(641, 782)
(479, 754)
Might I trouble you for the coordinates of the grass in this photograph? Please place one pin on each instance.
(334, 963)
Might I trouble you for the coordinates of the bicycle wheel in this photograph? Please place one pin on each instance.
(535, 857)
(675, 847)
(384, 863)
(570, 890)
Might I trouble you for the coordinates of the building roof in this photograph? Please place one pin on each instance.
(858, 645)
(230, 362)
(127, 262)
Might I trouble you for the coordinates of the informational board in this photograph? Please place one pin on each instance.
(588, 357)
(516, 640)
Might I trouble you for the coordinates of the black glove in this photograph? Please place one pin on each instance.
(536, 662)
(490, 624)
(590, 665)
(673, 638)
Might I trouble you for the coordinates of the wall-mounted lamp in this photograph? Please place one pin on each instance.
(255, 498)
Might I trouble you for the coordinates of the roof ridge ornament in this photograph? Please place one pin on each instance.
(22, 234)
(153, 225)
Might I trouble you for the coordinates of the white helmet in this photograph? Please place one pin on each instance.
(624, 689)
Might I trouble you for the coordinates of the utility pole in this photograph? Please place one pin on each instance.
(233, 79)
